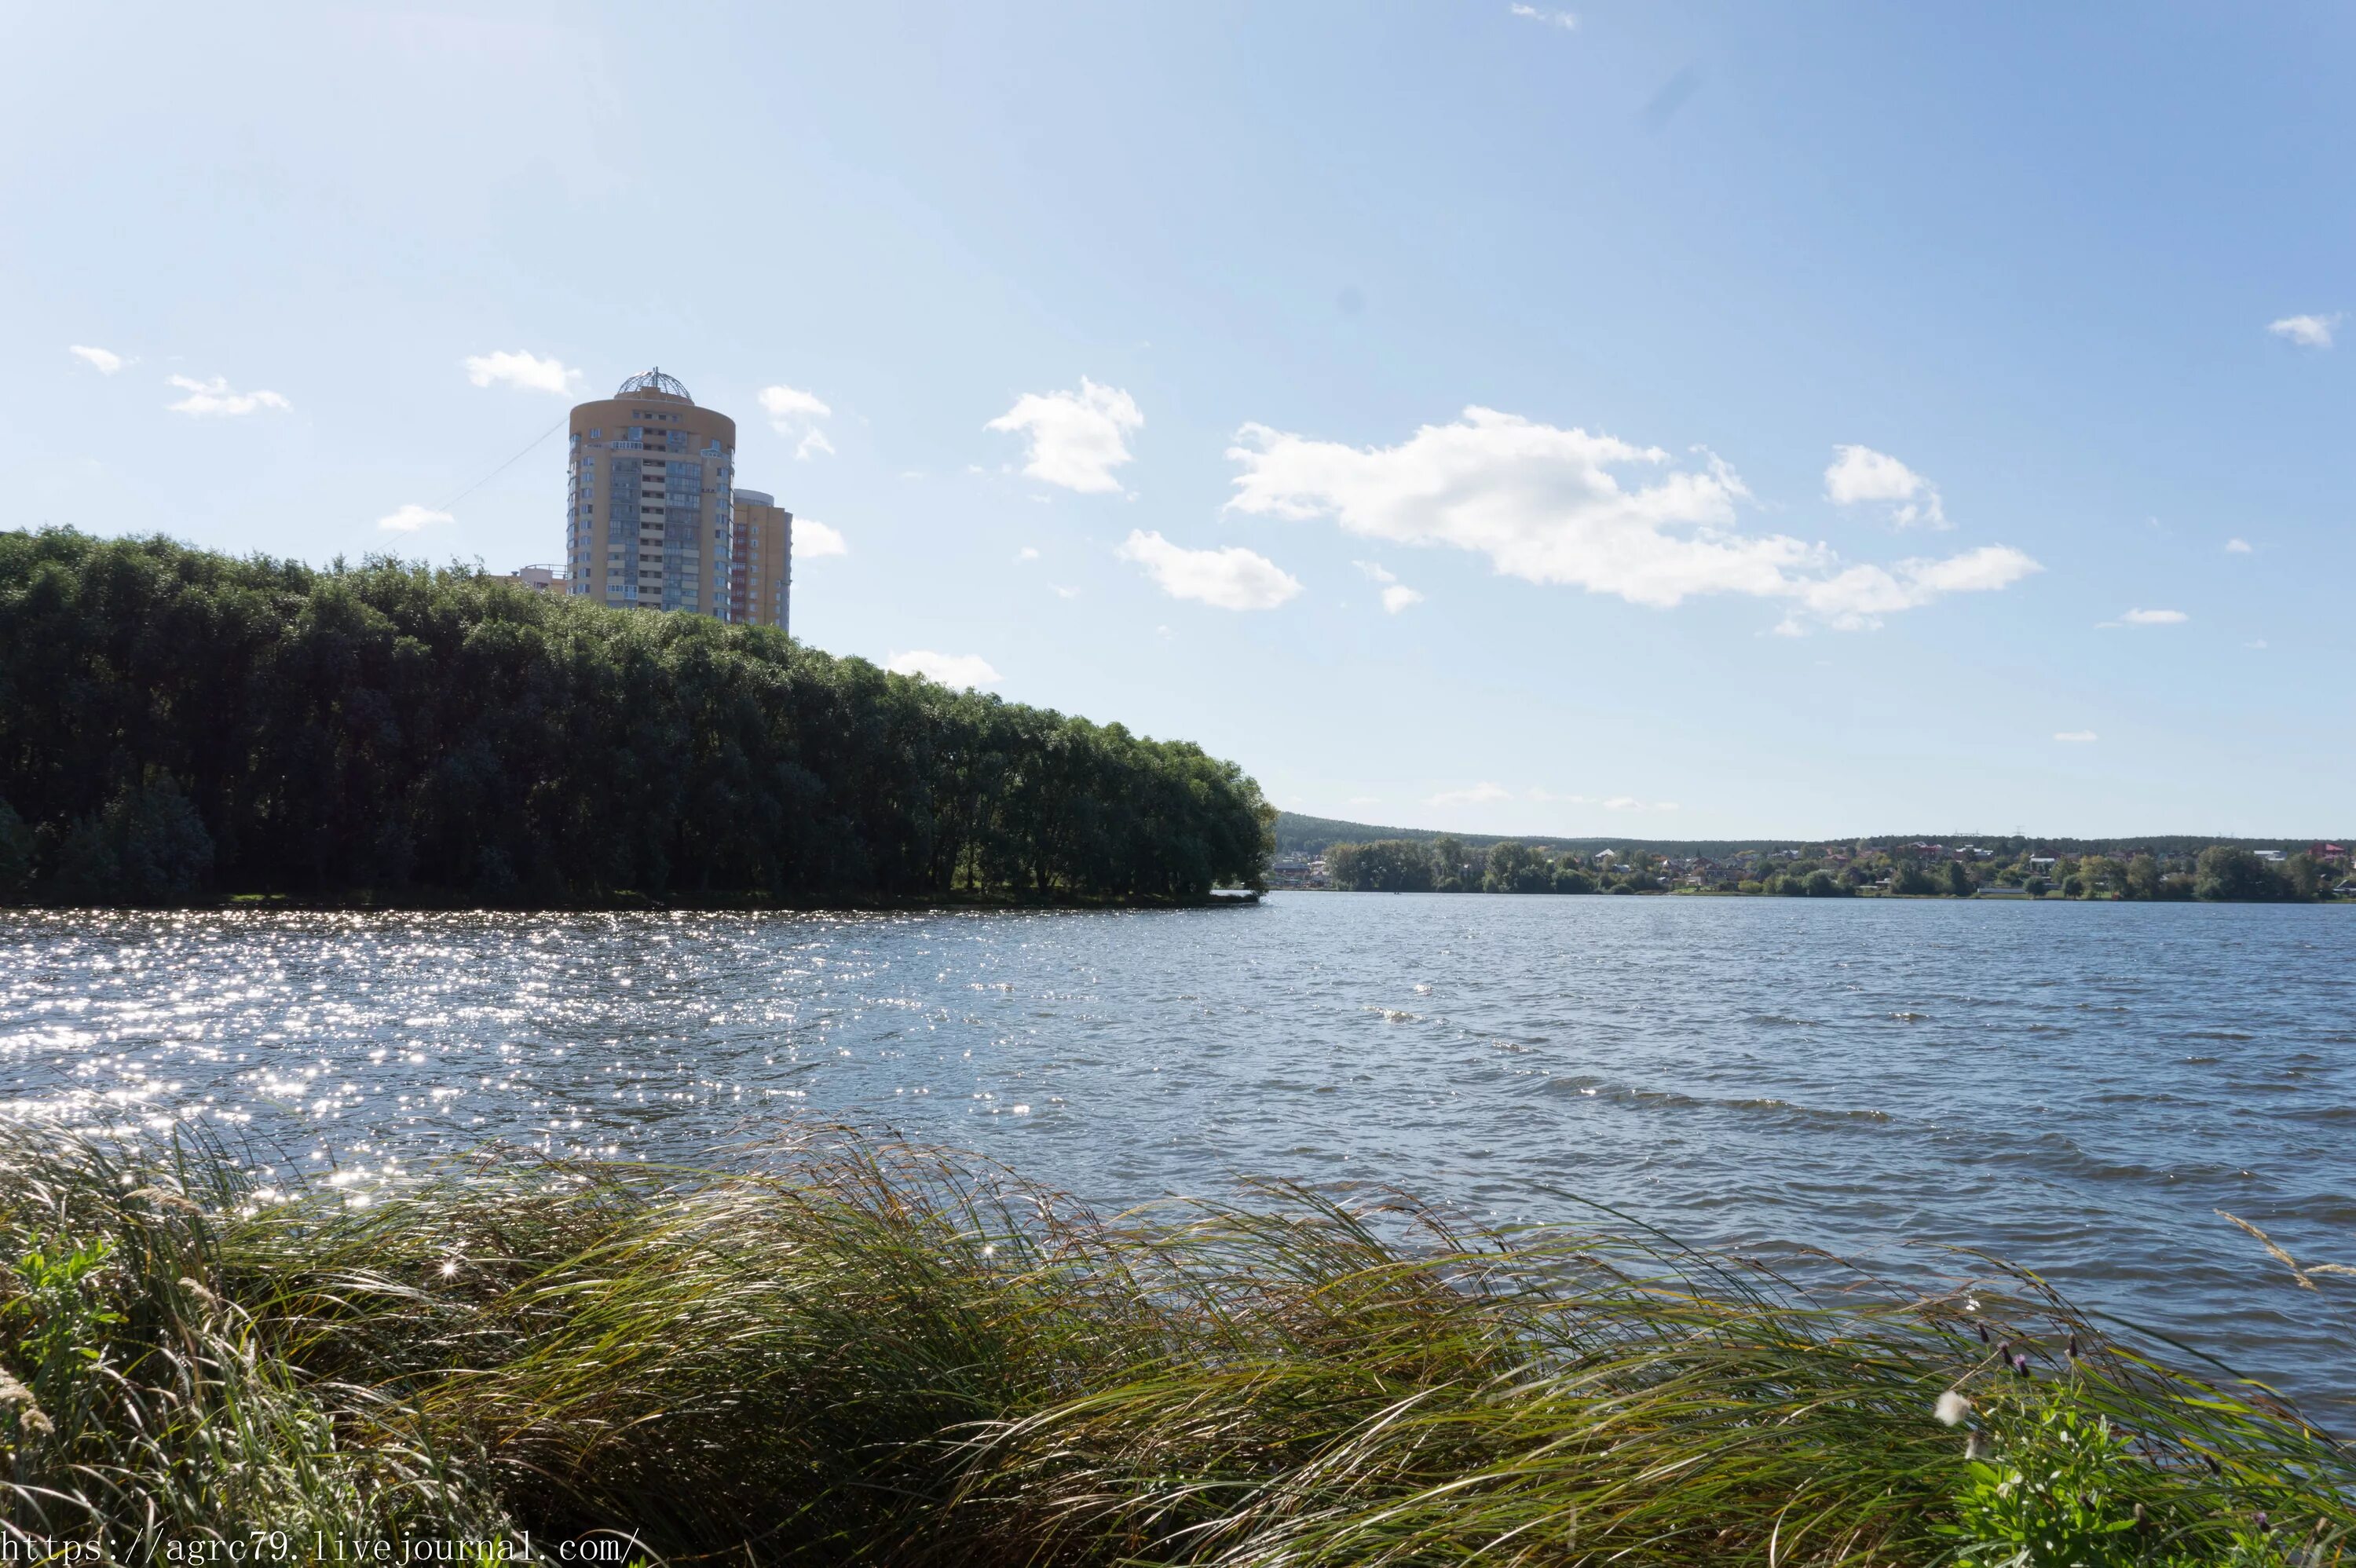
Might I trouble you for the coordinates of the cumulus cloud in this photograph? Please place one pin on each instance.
(213, 399)
(1551, 505)
(1396, 595)
(527, 371)
(2237, 547)
(1566, 20)
(813, 538)
(795, 413)
(948, 669)
(105, 360)
(410, 517)
(2307, 331)
(1233, 578)
(1859, 474)
(2074, 736)
(2149, 618)
(1078, 439)
(1028, 552)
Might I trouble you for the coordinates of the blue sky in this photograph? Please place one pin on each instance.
(1647, 419)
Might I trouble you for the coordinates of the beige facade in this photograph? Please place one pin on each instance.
(649, 507)
(763, 558)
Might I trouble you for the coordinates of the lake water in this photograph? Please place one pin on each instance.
(2076, 1087)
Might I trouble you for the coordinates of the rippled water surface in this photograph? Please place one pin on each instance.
(2079, 1087)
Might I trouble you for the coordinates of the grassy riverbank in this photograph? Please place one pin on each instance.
(839, 1351)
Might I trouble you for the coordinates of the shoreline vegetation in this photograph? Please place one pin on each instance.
(840, 1350)
(2219, 873)
(182, 728)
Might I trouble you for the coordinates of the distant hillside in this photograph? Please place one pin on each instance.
(1299, 835)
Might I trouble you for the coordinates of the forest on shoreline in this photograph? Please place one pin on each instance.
(181, 727)
(2221, 873)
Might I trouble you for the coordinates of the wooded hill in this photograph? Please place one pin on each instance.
(178, 725)
(1299, 835)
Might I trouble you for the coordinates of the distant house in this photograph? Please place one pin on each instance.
(536, 579)
(1997, 890)
(2272, 857)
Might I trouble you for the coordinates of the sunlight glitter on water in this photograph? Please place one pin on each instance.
(2080, 1088)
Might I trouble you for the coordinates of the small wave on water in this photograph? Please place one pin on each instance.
(2080, 1095)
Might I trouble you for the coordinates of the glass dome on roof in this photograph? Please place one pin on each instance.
(656, 383)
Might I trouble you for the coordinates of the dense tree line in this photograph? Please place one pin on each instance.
(176, 724)
(2221, 873)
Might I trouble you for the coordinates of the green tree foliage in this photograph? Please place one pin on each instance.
(172, 720)
(1385, 866)
(2237, 876)
(1515, 867)
(16, 855)
(1455, 868)
(1913, 880)
(148, 846)
(1959, 878)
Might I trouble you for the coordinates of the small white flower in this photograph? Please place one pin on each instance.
(1952, 1408)
(449, 1268)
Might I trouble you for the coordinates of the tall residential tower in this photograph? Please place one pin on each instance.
(763, 559)
(648, 515)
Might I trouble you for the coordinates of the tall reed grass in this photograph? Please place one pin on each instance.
(837, 1351)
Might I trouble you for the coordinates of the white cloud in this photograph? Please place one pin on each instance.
(813, 538)
(213, 399)
(949, 670)
(783, 402)
(1396, 596)
(105, 360)
(1232, 579)
(2150, 618)
(1546, 504)
(1078, 439)
(521, 369)
(2258, 642)
(2074, 736)
(2307, 331)
(2237, 547)
(1567, 20)
(1608, 802)
(1364, 800)
(1860, 474)
(1028, 552)
(795, 413)
(411, 518)
(1062, 593)
(1480, 794)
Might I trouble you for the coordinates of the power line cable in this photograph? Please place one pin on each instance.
(503, 467)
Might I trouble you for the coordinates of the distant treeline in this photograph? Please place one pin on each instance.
(2220, 872)
(1299, 835)
(176, 725)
